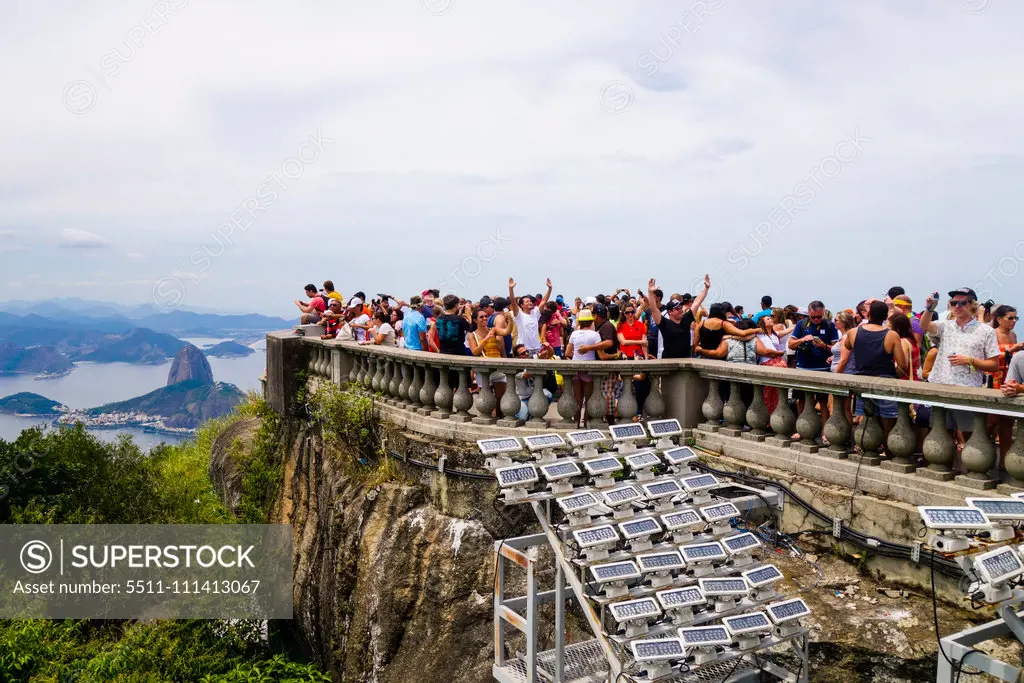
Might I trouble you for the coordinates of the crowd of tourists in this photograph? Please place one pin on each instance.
(952, 339)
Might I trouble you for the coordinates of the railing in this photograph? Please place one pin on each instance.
(438, 386)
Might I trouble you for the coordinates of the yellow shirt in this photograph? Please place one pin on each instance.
(335, 295)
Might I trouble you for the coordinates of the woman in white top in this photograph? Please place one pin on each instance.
(382, 334)
(783, 329)
(584, 336)
(770, 352)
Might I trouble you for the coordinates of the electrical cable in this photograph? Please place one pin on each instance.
(957, 666)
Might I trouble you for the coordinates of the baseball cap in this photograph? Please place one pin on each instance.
(585, 315)
(902, 300)
(964, 291)
(355, 301)
(672, 304)
(334, 301)
(601, 310)
(686, 298)
(589, 300)
(425, 292)
(801, 311)
(560, 299)
(485, 301)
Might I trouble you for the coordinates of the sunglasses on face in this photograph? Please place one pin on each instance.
(630, 312)
(1011, 317)
(816, 318)
(960, 302)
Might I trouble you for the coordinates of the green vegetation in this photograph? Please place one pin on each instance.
(28, 403)
(264, 469)
(67, 476)
(185, 404)
(229, 349)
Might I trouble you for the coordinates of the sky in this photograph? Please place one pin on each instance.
(222, 154)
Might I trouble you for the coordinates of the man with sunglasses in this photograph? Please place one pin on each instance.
(967, 349)
(812, 342)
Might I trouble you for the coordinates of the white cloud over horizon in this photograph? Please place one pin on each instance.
(492, 115)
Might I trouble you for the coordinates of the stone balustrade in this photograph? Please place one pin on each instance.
(437, 386)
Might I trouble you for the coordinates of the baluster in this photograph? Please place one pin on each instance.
(626, 409)
(314, 362)
(325, 363)
(978, 457)
(808, 426)
(567, 405)
(837, 430)
(902, 443)
(385, 383)
(595, 404)
(336, 366)
(396, 382)
(406, 384)
(757, 416)
(371, 362)
(938, 448)
(712, 408)
(378, 374)
(360, 368)
(654, 406)
(510, 402)
(462, 401)
(1014, 461)
(443, 395)
(416, 386)
(485, 401)
(538, 403)
(869, 435)
(427, 391)
(734, 411)
(782, 421)
(343, 366)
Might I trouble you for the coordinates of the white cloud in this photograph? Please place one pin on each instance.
(446, 126)
(75, 238)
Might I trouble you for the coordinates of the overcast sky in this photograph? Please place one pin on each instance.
(806, 149)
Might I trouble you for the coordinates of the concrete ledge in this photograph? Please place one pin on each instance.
(909, 489)
(976, 484)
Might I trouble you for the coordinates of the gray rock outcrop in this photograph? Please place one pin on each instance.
(190, 364)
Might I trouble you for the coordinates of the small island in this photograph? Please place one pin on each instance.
(229, 349)
(27, 404)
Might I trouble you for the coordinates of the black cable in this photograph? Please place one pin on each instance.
(860, 461)
(735, 666)
(957, 666)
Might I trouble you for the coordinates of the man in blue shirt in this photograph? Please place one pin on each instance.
(812, 340)
(414, 326)
(766, 309)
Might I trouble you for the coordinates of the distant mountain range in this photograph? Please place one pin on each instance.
(47, 337)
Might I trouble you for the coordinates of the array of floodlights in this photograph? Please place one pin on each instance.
(699, 645)
(967, 531)
(517, 480)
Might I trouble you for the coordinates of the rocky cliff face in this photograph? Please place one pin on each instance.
(190, 364)
(388, 588)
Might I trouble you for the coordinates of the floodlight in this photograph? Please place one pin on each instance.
(576, 506)
(630, 431)
(662, 491)
(502, 444)
(660, 566)
(701, 557)
(741, 547)
(702, 640)
(762, 576)
(1019, 494)
(1004, 513)
(498, 449)
(682, 524)
(680, 458)
(620, 499)
(613, 577)
(724, 591)
(953, 525)
(559, 473)
(786, 615)
(680, 602)
(596, 536)
(544, 442)
(636, 614)
(595, 542)
(602, 467)
(515, 480)
(586, 440)
(663, 430)
(639, 531)
(747, 628)
(657, 655)
(997, 568)
(641, 463)
(699, 486)
(950, 517)
(718, 515)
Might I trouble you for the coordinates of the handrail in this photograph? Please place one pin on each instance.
(964, 398)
